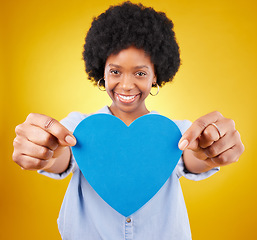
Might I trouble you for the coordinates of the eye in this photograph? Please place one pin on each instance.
(114, 72)
(140, 74)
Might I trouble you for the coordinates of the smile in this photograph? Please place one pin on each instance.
(126, 98)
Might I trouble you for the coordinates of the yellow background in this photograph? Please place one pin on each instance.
(42, 71)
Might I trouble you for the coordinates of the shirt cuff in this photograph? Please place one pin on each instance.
(182, 171)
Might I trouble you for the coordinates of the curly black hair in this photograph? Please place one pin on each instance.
(129, 24)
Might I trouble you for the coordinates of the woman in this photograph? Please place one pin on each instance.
(129, 49)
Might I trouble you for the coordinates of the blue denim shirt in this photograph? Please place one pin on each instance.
(85, 215)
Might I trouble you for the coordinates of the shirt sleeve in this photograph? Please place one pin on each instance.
(181, 169)
(70, 122)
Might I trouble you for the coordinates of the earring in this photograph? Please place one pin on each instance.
(98, 85)
(158, 89)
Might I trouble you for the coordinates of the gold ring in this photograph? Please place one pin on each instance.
(214, 125)
(49, 123)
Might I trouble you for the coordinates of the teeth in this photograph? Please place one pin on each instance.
(126, 97)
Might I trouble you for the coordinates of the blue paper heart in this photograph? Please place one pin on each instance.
(127, 166)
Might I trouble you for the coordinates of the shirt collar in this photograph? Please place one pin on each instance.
(106, 110)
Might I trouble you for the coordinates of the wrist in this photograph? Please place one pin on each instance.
(61, 163)
(195, 164)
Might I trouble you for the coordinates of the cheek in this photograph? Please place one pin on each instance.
(147, 87)
(109, 85)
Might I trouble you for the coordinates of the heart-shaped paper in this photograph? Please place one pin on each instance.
(127, 165)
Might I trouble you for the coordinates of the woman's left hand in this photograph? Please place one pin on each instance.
(214, 139)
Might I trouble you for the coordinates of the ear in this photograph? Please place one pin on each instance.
(154, 80)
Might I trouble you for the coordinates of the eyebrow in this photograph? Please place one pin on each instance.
(118, 66)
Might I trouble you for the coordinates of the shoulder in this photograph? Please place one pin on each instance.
(74, 118)
(183, 125)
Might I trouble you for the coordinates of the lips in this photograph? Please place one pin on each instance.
(126, 98)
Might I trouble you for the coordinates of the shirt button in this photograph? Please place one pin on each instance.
(128, 220)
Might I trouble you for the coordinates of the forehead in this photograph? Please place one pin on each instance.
(130, 57)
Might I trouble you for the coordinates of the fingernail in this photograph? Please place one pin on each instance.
(182, 145)
(70, 140)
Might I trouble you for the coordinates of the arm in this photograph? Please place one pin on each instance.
(42, 143)
(207, 146)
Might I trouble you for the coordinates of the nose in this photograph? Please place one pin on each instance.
(127, 83)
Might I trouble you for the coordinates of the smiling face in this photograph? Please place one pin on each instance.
(129, 76)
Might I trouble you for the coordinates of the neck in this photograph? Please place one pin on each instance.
(128, 117)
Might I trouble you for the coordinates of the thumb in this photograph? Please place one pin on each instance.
(52, 126)
(64, 136)
(187, 143)
(189, 139)
(183, 143)
(70, 139)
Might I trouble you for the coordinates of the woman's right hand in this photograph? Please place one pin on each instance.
(42, 142)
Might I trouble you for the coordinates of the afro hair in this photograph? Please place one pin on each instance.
(129, 24)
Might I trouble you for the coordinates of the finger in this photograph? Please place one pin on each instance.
(31, 149)
(230, 156)
(37, 135)
(208, 136)
(226, 142)
(30, 163)
(194, 132)
(64, 136)
(214, 132)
